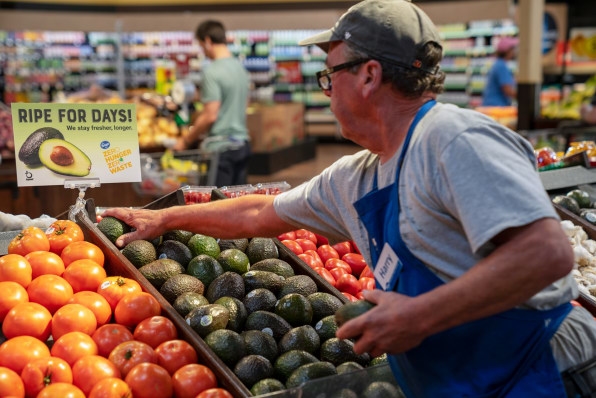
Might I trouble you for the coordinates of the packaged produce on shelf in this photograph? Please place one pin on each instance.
(272, 188)
(196, 194)
(235, 191)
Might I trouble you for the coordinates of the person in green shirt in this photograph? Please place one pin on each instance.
(221, 125)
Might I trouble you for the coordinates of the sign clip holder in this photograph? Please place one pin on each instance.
(81, 184)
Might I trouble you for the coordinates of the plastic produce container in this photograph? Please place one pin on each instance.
(272, 188)
(197, 194)
(235, 191)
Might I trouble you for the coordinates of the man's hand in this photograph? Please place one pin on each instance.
(145, 224)
(390, 327)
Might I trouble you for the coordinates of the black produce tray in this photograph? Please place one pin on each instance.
(567, 177)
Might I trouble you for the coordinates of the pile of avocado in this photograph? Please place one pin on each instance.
(270, 326)
(578, 202)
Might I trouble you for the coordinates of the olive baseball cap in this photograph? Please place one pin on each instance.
(387, 30)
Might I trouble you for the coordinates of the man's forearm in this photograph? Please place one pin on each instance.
(244, 217)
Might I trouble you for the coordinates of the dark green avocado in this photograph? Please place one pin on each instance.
(29, 152)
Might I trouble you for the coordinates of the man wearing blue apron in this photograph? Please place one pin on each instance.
(472, 265)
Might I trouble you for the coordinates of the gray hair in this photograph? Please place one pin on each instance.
(412, 83)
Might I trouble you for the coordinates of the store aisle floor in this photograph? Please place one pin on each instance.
(326, 154)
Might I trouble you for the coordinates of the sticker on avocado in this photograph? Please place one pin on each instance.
(57, 142)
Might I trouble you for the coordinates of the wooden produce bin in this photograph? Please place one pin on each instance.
(117, 264)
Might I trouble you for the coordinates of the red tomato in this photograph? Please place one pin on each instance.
(308, 259)
(173, 354)
(51, 291)
(42, 372)
(135, 307)
(113, 288)
(337, 263)
(73, 318)
(155, 330)
(29, 240)
(45, 263)
(367, 283)
(130, 353)
(337, 272)
(293, 246)
(82, 249)
(348, 283)
(355, 248)
(84, 274)
(11, 384)
(110, 387)
(326, 274)
(108, 336)
(72, 346)
(326, 252)
(306, 234)
(89, 370)
(287, 235)
(343, 248)
(28, 319)
(356, 262)
(61, 233)
(349, 296)
(96, 303)
(149, 380)
(215, 393)
(16, 268)
(62, 390)
(321, 240)
(17, 352)
(315, 255)
(367, 273)
(306, 244)
(12, 294)
(359, 295)
(192, 379)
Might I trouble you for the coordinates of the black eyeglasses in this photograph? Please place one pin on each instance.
(323, 76)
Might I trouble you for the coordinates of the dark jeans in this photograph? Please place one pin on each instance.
(580, 381)
(232, 167)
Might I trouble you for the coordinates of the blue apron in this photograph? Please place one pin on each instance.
(504, 355)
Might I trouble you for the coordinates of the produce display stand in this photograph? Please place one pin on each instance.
(585, 300)
(117, 264)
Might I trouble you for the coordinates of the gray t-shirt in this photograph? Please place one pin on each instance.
(457, 192)
(225, 80)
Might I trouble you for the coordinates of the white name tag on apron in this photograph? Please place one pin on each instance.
(387, 268)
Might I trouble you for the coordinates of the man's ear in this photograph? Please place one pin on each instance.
(370, 76)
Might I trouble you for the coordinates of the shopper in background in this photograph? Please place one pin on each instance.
(221, 125)
(445, 203)
(500, 88)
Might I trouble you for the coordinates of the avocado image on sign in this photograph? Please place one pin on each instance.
(29, 152)
(62, 157)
